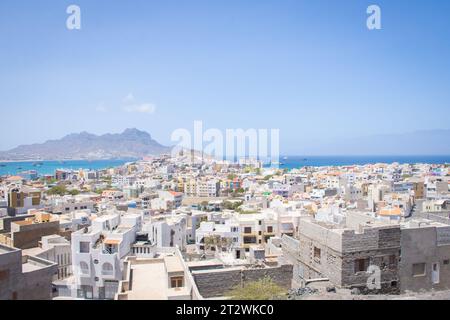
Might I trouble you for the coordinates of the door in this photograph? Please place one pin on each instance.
(435, 273)
(111, 287)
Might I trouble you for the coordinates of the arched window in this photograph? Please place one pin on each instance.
(107, 269)
(84, 268)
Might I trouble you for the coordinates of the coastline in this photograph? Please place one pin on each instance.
(65, 160)
(45, 167)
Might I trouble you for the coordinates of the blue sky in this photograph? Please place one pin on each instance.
(310, 68)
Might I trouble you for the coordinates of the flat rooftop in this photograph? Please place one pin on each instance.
(6, 249)
(173, 264)
(32, 251)
(149, 282)
(149, 278)
(30, 264)
(30, 267)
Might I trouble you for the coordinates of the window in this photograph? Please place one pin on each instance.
(111, 287)
(418, 269)
(84, 247)
(176, 282)
(248, 230)
(84, 268)
(107, 269)
(259, 232)
(361, 265)
(270, 229)
(260, 222)
(392, 259)
(317, 254)
(446, 262)
(248, 240)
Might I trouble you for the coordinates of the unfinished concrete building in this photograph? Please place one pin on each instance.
(27, 233)
(425, 259)
(24, 277)
(343, 253)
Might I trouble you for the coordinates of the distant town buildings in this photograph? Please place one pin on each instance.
(173, 228)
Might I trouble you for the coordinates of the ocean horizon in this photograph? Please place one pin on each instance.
(291, 162)
(286, 162)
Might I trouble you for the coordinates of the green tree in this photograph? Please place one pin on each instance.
(57, 190)
(232, 205)
(211, 242)
(74, 192)
(107, 179)
(262, 289)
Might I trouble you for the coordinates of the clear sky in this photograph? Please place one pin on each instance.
(308, 67)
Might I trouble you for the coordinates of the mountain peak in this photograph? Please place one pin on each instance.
(136, 133)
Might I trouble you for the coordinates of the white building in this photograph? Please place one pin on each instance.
(208, 188)
(228, 235)
(68, 204)
(97, 253)
(167, 231)
(56, 249)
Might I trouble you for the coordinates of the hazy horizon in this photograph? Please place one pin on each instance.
(340, 145)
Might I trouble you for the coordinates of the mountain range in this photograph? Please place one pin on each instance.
(134, 144)
(130, 144)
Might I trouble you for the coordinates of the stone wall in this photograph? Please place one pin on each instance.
(30, 235)
(327, 253)
(217, 283)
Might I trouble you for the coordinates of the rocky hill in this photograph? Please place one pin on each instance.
(131, 143)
